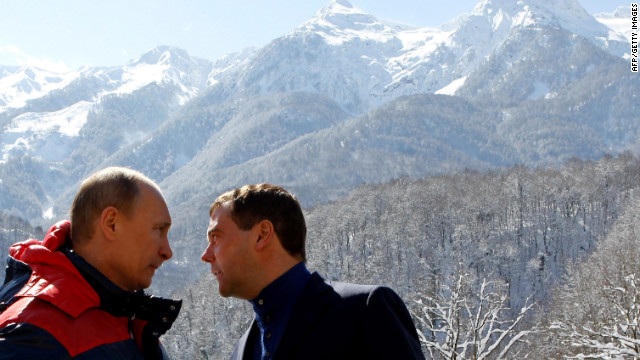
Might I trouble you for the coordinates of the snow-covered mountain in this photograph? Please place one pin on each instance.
(343, 99)
(20, 84)
(619, 21)
(362, 63)
(39, 105)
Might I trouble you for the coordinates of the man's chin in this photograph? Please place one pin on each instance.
(145, 284)
(224, 292)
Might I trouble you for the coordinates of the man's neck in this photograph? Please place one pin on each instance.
(274, 269)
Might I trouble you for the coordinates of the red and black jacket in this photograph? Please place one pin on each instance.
(55, 305)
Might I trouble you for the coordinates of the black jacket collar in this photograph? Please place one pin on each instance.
(159, 312)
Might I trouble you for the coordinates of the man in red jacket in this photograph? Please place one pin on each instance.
(77, 294)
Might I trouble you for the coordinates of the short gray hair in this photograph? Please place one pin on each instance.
(112, 186)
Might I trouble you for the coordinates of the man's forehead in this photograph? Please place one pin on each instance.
(213, 223)
(218, 216)
(151, 200)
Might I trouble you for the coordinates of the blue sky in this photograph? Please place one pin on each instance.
(73, 33)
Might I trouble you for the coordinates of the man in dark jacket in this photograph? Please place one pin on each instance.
(77, 294)
(256, 251)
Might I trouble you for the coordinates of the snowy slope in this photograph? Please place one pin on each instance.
(21, 84)
(362, 62)
(27, 88)
(99, 116)
(619, 21)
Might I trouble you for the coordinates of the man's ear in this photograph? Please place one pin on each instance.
(108, 219)
(265, 234)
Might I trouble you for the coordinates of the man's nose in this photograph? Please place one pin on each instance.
(207, 255)
(165, 250)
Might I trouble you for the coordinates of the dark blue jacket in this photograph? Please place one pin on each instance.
(343, 321)
(54, 305)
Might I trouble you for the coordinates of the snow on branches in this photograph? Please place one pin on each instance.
(459, 322)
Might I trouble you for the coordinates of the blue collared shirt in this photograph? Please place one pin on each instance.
(273, 308)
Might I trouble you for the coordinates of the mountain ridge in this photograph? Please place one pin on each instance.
(344, 63)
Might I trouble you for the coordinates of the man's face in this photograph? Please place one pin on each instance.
(231, 254)
(142, 241)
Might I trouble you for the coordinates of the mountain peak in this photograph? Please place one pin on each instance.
(344, 3)
(538, 12)
(340, 18)
(339, 8)
(160, 54)
(176, 59)
(566, 14)
(337, 4)
(19, 84)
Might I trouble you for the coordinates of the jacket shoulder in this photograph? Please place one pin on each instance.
(17, 274)
(349, 289)
(77, 335)
(365, 321)
(26, 341)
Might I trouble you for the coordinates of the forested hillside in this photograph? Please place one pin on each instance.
(596, 310)
(433, 239)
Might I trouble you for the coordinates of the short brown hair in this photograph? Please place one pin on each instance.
(251, 204)
(113, 186)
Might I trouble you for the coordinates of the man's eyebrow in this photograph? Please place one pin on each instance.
(212, 230)
(163, 223)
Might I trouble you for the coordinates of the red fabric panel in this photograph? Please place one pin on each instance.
(92, 328)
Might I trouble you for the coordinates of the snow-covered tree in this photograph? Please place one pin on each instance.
(617, 338)
(461, 322)
(596, 312)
